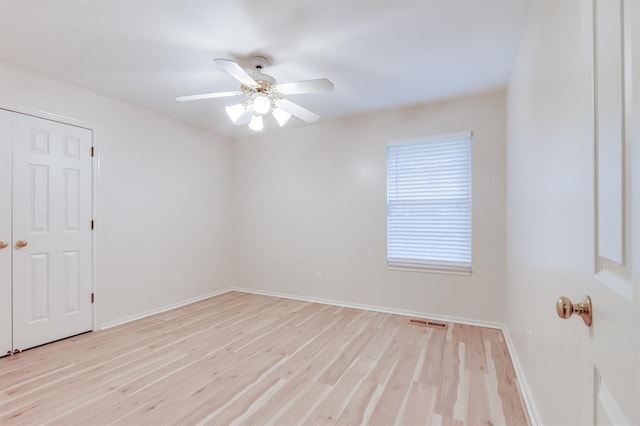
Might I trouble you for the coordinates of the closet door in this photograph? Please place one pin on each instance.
(5, 232)
(51, 231)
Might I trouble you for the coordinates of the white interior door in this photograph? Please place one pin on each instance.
(5, 232)
(614, 338)
(52, 215)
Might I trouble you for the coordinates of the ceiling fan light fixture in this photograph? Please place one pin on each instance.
(263, 95)
(235, 111)
(256, 123)
(261, 104)
(281, 116)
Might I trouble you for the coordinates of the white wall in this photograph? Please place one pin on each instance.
(549, 203)
(163, 201)
(313, 198)
(306, 199)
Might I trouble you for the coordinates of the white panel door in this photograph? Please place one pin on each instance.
(5, 232)
(613, 343)
(52, 214)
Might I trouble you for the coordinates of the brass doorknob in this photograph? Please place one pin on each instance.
(3, 244)
(21, 243)
(565, 309)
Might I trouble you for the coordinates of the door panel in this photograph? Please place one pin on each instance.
(39, 194)
(72, 289)
(5, 232)
(609, 98)
(39, 279)
(52, 212)
(71, 200)
(613, 342)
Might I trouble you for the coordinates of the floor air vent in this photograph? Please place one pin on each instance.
(428, 323)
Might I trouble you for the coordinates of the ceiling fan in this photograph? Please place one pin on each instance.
(263, 95)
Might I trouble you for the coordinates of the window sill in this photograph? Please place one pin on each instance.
(429, 270)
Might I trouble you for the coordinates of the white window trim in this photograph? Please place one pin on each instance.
(445, 137)
(450, 268)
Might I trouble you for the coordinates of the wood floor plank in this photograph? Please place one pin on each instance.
(299, 410)
(495, 404)
(507, 387)
(448, 386)
(204, 400)
(431, 372)
(420, 403)
(347, 355)
(387, 360)
(248, 359)
(354, 412)
(388, 408)
(245, 403)
(44, 408)
(305, 366)
(330, 408)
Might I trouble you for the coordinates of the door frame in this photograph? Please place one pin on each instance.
(95, 178)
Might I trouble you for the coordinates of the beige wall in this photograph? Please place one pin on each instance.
(550, 203)
(163, 201)
(313, 198)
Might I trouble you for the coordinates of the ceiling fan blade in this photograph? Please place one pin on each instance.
(236, 71)
(297, 110)
(208, 96)
(305, 86)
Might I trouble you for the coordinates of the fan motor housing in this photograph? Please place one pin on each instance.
(265, 84)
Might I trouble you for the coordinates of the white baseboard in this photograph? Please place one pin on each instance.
(525, 390)
(382, 309)
(159, 310)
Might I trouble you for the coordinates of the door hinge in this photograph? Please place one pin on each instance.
(93, 298)
(93, 151)
(92, 224)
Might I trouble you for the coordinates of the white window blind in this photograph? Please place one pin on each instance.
(429, 203)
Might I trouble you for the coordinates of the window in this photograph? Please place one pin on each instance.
(429, 203)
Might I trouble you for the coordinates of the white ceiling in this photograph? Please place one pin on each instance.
(379, 53)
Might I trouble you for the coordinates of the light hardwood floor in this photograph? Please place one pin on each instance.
(248, 359)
